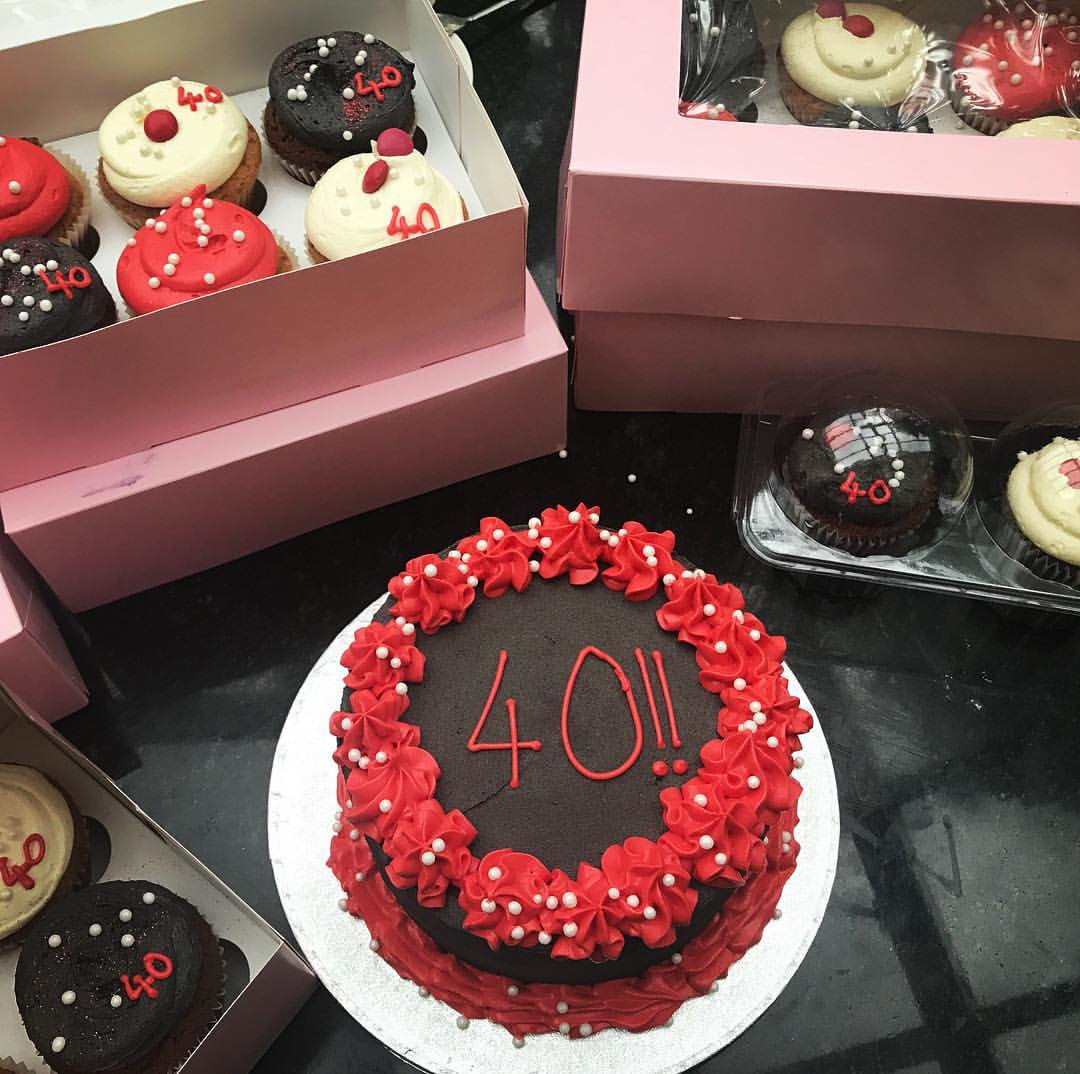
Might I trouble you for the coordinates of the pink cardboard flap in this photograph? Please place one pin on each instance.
(788, 223)
(102, 532)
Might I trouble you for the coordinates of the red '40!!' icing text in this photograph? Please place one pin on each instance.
(33, 849)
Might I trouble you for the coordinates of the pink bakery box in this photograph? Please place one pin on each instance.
(35, 665)
(105, 531)
(266, 980)
(702, 259)
(280, 341)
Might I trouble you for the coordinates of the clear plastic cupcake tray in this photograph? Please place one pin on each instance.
(973, 550)
(731, 66)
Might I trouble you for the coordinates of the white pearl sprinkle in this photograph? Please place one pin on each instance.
(519, 1042)
(385, 805)
(95, 930)
(15, 187)
(125, 916)
(494, 873)
(209, 278)
(739, 684)
(649, 913)
(631, 478)
(562, 1007)
(720, 858)
(438, 845)
(838, 468)
(374, 945)
(428, 857)
(346, 724)
(513, 908)
(161, 227)
(68, 998)
(759, 718)
(369, 39)
(347, 135)
(24, 316)
(544, 938)
(569, 929)
(127, 940)
(668, 880)
(488, 906)
(54, 940)
(153, 283)
(395, 662)
(517, 933)
(613, 893)
(58, 1044)
(545, 542)
(798, 761)
(538, 899)
(633, 901)
(569, 900)
(564, 1028)
(552, 902)
(753, 782)
(706, 842)
(401, 688)
(512, 991)
(115, 1002)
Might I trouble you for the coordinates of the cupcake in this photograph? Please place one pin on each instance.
(43, 848)
(195, 247)
(48, 292)
(42, 193)
(379, 198)
(1053, 128)
(170, 137)
(123, 977)
(854, 65)
(1015, 64)
(330, 96)
(861, 480)
(1043, 498)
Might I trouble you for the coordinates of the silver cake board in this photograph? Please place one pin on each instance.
(423, 1031)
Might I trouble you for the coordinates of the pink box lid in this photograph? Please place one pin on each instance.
(789, 223)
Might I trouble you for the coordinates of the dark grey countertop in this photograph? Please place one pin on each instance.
(951, 943)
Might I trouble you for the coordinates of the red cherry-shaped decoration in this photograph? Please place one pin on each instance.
(859, 25)
(160, 125)
(375, 176)
(831, 9)
(394, 143)
(660, 769)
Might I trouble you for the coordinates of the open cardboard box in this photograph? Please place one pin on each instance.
(105, 531)
(267, 981)
(35, 665)
(277, 342)
(703, 258)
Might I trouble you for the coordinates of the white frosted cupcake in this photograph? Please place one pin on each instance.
(1055, 128)
(376, 199)
(170, 137)
(841, 60)
(1043, 495)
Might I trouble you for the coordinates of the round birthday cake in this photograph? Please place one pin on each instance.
(571, 808)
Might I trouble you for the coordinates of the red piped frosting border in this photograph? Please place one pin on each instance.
(717, 824)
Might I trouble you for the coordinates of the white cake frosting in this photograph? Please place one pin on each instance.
(208, 146)
(835, 65)
(1057, 128)
(341, 219)
(1044, 496)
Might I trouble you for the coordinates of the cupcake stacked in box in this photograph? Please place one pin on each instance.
(1005, 69)
(179, 164)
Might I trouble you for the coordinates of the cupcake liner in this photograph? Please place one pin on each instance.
(1015, 545)
(287, 259)
(73, 227)
(216, 1011)
(975, 118)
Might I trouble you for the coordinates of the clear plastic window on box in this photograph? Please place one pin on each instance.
(874, 480)
(967, 67)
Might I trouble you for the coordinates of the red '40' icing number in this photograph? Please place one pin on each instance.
(878, 493)
(391, 79)
(76, 276)
(515, 744)
(157, 967)
(192, 100)
(427, 219)
(33, 849)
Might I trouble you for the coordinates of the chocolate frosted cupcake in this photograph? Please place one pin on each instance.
(856, 65)
(330, 97)
(1043, 502)
(48, 292)
(124, 977)
(43, 848)
(862, 480)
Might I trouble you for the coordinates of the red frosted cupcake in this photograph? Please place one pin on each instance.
(197, 246)
(1014, 64)
(42, 194)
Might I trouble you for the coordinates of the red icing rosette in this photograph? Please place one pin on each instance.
(503, 899)
(373, 724)
(654, 890)
(767, 704)
(714, 832)
(390, 782)
(581, 915)
(499, 556)
(351, 858)
(570, 542)
(749, 773)
(737, 651)
(696, 601)
(639, 559)
(428, 849)
(34, 189)
(432, 592)
(167, 262)
(382, 655)
(1013, 65)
